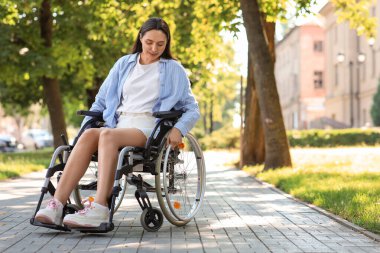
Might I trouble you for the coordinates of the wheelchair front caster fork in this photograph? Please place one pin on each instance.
(151, 218)
(143, 199)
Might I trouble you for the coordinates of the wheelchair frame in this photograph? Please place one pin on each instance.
(156, 159)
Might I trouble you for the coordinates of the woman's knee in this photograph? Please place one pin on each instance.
(89, 136)
(106, 137)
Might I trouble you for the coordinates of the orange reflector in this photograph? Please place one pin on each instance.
(181, 145)
(91, 199)
(177, 205)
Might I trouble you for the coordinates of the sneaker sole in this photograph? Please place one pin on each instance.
(45, 219)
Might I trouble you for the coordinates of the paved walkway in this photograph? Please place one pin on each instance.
(239, 215)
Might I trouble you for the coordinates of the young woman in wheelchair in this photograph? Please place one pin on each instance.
(146, 81)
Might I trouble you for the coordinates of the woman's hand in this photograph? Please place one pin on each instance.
(174, 138)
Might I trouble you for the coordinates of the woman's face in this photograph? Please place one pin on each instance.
(153, 45)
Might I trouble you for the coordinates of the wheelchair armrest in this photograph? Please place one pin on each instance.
(168, 114)
(93, 114)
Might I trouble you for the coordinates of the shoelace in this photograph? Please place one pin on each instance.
(52, 204)
(87, 207)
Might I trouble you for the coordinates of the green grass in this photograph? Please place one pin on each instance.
(353, 194)
(16, 164)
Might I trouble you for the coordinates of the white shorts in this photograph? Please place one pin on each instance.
(145, 122)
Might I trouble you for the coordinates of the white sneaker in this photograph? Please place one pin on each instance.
(52, 214)
(91, 216)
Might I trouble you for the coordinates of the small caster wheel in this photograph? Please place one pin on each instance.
(71, 209)
(151, 219)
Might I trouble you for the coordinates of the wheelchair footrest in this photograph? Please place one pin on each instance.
(51, 226)
(91, 186)
(103, 228)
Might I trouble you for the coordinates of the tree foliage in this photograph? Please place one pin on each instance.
(357, 13)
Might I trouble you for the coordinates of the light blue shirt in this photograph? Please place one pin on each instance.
(174, 92)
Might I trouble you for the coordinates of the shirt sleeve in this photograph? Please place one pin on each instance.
(99, 104)
(186, 103)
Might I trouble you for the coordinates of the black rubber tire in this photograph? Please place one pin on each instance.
(151, 220)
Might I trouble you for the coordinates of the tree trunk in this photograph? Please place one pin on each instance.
(91, 93)
(211, 116)
(253, 143)
(276, 143)
(252, 150)
(51, 91)
(205, 115)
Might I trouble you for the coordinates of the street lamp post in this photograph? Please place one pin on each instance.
(360, 59)
(351, 65)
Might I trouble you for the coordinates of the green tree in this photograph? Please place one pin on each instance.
(375, 109)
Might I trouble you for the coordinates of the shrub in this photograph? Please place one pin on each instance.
(332, 138)
(375, 109)
(228, 137)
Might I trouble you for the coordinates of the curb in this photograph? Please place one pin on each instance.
(338, 219)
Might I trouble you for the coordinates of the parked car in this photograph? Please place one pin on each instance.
(36, 139)
(8, 143)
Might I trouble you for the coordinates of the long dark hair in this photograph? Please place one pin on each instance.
(154, 24)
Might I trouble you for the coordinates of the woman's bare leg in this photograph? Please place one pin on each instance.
(110, 140)
(77, 163)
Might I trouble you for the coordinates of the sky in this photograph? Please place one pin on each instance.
(240, 43)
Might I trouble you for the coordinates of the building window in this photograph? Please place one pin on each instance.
(318, 46)
(318, 79)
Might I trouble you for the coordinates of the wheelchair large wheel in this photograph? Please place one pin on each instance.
(88, 184)
(181, 181)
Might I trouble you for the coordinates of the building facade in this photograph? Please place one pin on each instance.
(300, 77)
(327, 75)
(352, 74)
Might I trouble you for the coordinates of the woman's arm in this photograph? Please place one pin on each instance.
(186, 103)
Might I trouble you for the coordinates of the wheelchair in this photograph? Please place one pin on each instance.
(179, 177)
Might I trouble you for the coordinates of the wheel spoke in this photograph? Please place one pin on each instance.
(180, 205)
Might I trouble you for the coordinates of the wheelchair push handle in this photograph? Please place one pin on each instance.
(90, 114)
